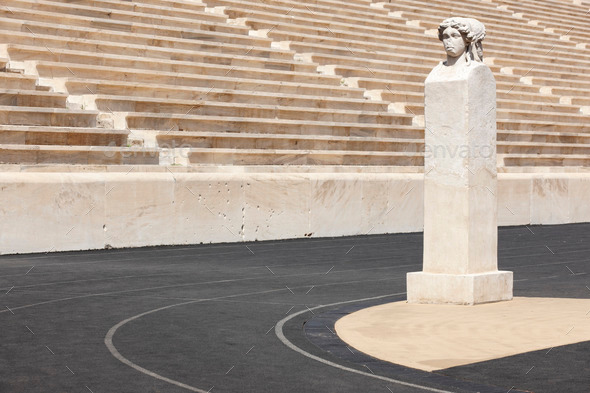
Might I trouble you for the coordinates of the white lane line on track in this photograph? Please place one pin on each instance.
(256, 277)
(289, 344)
(116, 354)
(108, 340)
(93, 279)
(164, 273)
(117, 293)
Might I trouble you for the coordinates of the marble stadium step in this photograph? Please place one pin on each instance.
(343, 33)
(46, 22)
(502, 32)
(571, 9)
(536, 105)
(500, 47)
(82, 71)
(35, 116)
(16, 81)
(141, 106)
(344, 39)
(77, 155)
(414, 64)
(177, 4)
(543, 126)
(108, 15)
(539, 136)
(543, 116)
(446, 6)
(435, 11)
(501, 95)
(582, 101)
(221, 140)
(543, 14)
(46, 44)
(502, 25)
(543, 160)
(196, 94)
(498, 25)
(577, 35)
(176, 122)
(534, 72)
(571, 93)
(22, 31)
(548, 63)
(27, 53)
(67, 136)
(536, 148)
(204, 30)
(367, 72)
(360, 4)
(17, 97)
(395, 75)
(257, 20)
(161, 9)
(298, 157)
(560, 83)
(540, 59)
(378, 17)
(360, 12)
(395, 86)
(417, 54)
(355, 51)
(513, 108)
(499, 28)
(195, 168)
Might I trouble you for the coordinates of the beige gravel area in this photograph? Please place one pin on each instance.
(432, 337)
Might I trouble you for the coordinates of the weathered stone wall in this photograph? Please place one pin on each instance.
(71, 211)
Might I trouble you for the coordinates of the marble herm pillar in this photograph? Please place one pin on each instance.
(460, 190)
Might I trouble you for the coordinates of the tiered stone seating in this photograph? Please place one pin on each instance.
(531, 100)
(568, 20)
(37, 127)
(244, 82)
(391, 57)
(152, 81)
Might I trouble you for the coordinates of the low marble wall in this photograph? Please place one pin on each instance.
(42, 212)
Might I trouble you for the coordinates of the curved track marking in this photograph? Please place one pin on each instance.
(108, 340)
(188, 284)
(284, 340)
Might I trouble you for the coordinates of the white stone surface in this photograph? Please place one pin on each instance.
(272, 202)
(513, 207)
(460, 181)
(335, 205)
(578, 206)
(41, 212)
(549, 192)
(467, 289)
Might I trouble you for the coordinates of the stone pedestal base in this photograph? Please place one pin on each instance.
(459, 288)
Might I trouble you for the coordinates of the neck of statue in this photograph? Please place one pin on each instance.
(451, 61)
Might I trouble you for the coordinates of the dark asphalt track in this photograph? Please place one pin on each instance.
(209, 315)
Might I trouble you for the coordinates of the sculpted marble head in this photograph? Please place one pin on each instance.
(462, 37)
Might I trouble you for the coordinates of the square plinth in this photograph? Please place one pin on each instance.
(459, 288)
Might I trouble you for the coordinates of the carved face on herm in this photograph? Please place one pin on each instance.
(454, 42)
(462, 36)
